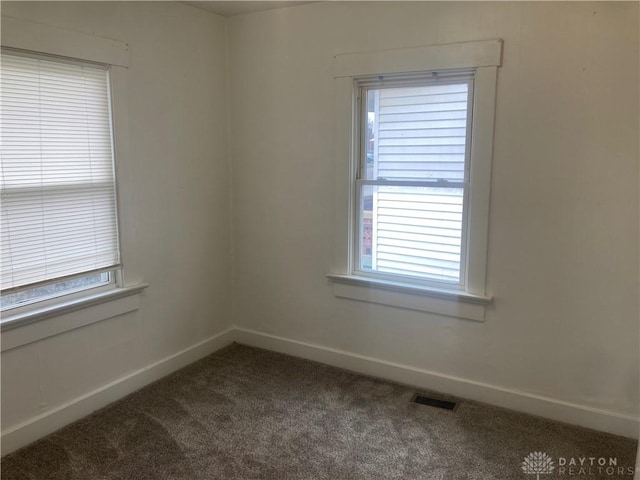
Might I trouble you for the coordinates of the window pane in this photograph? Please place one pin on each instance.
(412, 231)
(416, 132)
(37, 294)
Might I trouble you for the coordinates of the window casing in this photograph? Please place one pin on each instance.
(59, 216)
(461, 292)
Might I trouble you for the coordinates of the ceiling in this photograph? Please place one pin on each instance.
(239, 7)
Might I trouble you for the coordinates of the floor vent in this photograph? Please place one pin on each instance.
(434, 402)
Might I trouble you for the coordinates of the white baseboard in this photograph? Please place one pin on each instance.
(48, 422)
(597, 419)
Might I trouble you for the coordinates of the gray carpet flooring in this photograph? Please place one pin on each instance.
(246, 413)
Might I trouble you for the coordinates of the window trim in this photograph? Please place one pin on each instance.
(411, 297)
(36, 37)
(44, 322)
(65, 304)
(483, 56)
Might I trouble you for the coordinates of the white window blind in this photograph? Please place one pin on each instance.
(57, 185)
(413, 188)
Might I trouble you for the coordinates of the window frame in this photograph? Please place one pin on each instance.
(483, 57)
(363, 85)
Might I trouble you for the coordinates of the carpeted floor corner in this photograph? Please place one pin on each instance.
(245, 413)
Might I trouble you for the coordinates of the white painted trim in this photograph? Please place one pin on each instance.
(119, 93)
(414, 288)
(567, 412)
(41, 38)
(483, 53)
(345, 168)
(63, 305)
(53, 320)
(444, 302)
(484, 101)
(48, 422)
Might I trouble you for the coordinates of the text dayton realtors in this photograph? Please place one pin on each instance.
(592, 466)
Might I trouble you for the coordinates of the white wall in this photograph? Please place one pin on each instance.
(174, 209)
(563, 259)
(563, 254)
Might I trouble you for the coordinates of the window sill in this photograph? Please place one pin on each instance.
(41, 322)
(444, 302)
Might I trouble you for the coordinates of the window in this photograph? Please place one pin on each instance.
(414, 141)
(58, 221)
(413, 178)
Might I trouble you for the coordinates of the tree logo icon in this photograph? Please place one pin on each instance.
(537, 463)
